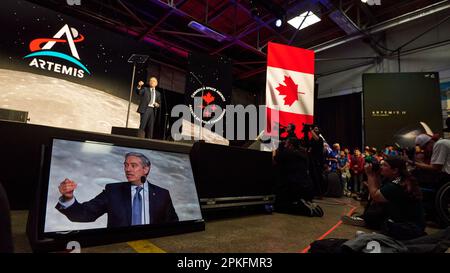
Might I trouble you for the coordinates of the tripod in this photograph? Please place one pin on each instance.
(135, 59)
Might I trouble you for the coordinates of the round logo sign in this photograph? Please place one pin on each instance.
(207, 105)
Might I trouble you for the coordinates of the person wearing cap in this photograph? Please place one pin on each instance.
(440, 156)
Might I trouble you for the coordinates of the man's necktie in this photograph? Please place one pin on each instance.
(137, 208)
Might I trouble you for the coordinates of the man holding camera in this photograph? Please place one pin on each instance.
(316, 156)
(287, 132)
(395, 204)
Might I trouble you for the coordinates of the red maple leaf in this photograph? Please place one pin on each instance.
(290, 90)
(208, 98)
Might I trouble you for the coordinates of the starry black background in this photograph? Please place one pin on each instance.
(212, 72)
(104, 53)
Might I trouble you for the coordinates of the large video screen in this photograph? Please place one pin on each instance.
(95, 185)
(399, 106)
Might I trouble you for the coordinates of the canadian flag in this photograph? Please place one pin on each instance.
(289, 88)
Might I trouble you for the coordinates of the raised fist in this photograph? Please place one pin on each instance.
(66, 188)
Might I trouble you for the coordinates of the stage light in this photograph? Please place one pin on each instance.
(304, 20)
(343, 22)
(207, 31)
(278, 23)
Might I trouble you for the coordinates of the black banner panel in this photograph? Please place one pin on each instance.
(209, 82)
(399, 106)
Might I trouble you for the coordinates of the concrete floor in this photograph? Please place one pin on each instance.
(256, 233)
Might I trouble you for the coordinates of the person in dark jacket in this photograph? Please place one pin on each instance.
(135, 202)
(395, 204)
(294, 180)
(148, 105)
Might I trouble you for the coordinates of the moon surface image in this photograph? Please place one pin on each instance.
(61, 103)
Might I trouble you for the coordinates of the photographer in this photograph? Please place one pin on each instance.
(316, 156)
(294, 189)
(287, 132)
(395, 204)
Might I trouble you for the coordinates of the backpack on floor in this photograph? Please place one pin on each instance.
(330, 245)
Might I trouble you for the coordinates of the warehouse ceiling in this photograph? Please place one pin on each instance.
(241, 29)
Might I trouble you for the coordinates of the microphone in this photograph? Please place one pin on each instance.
(143, 180)
(320, 135)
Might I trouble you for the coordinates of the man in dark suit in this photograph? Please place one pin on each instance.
(127, 203)
(150, 102)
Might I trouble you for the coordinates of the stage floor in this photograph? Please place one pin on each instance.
(254, 233)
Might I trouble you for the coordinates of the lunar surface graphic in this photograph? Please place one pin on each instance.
(60, 103)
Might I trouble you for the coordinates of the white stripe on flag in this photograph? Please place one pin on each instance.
(305, 82)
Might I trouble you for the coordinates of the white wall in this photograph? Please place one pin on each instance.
(350, 81)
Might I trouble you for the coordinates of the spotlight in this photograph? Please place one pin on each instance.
(278, 23)
(303, 20)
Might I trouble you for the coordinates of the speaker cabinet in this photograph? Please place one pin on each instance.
(134, 132)
(13, 115)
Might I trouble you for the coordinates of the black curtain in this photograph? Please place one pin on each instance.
(213, 75)
(339, 119)
(168, 100)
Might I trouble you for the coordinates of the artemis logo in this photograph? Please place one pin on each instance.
(72, 37)
(372, 2)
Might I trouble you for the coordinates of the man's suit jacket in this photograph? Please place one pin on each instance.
(145, 94)
(115, 200)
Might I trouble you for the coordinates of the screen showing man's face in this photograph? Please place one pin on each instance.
(134, 169)
(96, 167)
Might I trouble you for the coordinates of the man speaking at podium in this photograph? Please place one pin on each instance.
(150, 102)
(136, 202)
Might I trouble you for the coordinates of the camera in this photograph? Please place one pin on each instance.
(307, 127)
(375, 164)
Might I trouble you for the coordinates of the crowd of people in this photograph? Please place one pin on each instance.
(349, 166)
(389, 180)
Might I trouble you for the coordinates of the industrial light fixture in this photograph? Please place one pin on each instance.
(345, 23)
(372, 2)
(279, 22)
(304, 20)
(207, 31)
